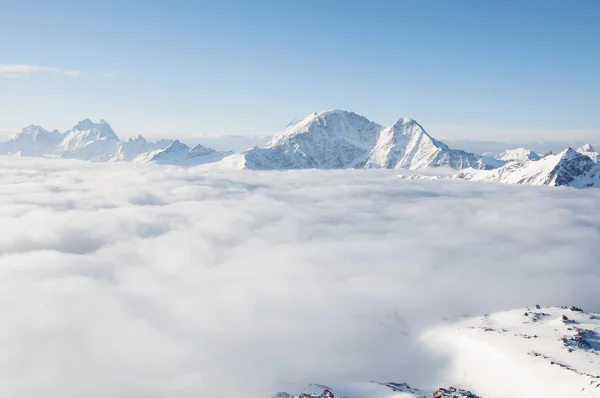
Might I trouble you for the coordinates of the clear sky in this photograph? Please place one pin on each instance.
(474, 69)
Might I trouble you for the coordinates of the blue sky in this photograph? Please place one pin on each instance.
(474, 69)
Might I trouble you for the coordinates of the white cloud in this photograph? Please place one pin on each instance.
(123, 280)
(26, 70)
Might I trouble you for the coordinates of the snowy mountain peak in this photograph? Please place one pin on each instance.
(517, 155)
(586, 148)
(181, 154)
(138, 138)
(35, 132)
(200, 150)
(176, 146)
(102, 128)
(405, 122)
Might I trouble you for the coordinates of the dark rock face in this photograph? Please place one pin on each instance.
(571, 166)
(453, 393)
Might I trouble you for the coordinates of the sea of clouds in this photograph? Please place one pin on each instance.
(142, 281)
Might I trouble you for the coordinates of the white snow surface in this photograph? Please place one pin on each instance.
(131, 280)
(517, 155)
(551, 352)
(523, 353)
(339, 139)
(568, 168)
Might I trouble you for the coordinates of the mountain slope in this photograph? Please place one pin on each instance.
(407, 145)
(568, 168)
(517, 155)
(339, 139)
(549, 352)
(130, 149)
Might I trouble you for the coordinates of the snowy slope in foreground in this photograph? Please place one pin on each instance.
(549, 352)
(533, 352)
(568, 168)
(351, 390)
(339, 139)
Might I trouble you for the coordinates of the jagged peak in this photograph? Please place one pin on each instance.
(102, 127)
(517, 154)
(33, 128)
(138, 138)
(406, 122)
(201, 150)
(176, 146)
(325, 116)
(586, 148)
(36, 131)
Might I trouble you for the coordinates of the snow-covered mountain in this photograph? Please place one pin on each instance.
(569, 168)
(180, 154)
(517, 155)
(589, 151)
(89, 141)
(32, 141)
(339, 139)
(326, 140)
(407, 145)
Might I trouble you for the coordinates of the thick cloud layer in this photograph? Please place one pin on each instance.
(140, 281)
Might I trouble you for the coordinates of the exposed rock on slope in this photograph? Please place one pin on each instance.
(354, 390)
(589, 151)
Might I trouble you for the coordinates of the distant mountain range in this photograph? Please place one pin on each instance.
(334, 139)
(569, 168)
(97, 142)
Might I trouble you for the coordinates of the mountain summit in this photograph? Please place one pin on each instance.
(337, 139)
